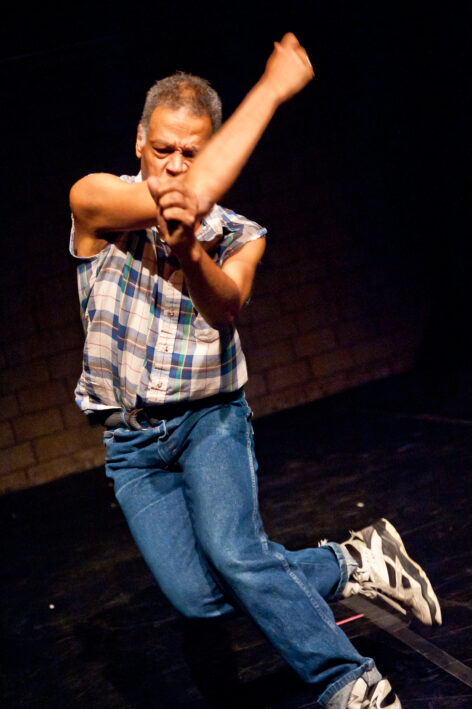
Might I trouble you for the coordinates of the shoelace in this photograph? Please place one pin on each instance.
(365, 587)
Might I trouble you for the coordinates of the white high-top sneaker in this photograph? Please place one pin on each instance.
(379, 696)
(385, 570)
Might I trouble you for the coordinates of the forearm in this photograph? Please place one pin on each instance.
(214, 294)
(216, 168)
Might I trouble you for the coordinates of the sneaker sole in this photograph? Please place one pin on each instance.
(387, 532)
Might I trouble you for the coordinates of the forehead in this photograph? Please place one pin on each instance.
(178, 126)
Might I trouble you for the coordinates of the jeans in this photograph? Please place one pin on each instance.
(188, 489)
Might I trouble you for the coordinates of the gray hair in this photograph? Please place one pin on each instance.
(182, 90)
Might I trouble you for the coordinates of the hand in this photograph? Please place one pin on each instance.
(288, 68)
(177, 211)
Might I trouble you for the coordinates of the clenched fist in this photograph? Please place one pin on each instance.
(288, 68)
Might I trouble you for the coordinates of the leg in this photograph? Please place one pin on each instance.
(152, 500)
(220, 487)
(322, 568)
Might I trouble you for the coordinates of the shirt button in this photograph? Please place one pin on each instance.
(159, 385)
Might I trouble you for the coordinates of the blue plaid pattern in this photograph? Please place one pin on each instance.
(144, 341)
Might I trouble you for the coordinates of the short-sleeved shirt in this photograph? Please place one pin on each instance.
(145, 343)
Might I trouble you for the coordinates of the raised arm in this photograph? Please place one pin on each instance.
(102, 203)
(218, 294)
(217, 166)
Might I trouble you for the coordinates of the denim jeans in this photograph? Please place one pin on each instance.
(188, 489)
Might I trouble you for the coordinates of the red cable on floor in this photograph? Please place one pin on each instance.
(348, 620)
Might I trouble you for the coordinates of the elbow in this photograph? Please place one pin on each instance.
(75, 198)
(221, 323)
(224, 318)
(80, 200)
(85, 200)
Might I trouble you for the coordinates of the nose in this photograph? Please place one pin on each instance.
(176, 164)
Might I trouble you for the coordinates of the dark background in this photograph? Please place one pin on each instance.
(373, 156)
(379, 138)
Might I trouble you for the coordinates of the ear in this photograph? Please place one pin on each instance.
(139, 141)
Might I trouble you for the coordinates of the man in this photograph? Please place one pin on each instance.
(163, 274)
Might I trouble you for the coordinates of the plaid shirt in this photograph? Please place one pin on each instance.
(144, 341)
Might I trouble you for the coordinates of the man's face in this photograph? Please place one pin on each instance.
(174, 138)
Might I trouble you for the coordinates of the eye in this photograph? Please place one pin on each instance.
(162, 152)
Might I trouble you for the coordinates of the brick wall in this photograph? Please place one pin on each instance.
(323, 320)
(324, 316)
(336, 303)
(43, 436)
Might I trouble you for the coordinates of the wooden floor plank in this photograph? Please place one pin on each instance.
(85, 626)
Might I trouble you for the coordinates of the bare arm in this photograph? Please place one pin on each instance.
(218, 294)
(103, 203)
(218, 165)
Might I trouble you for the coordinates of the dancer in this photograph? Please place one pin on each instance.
(163, 271)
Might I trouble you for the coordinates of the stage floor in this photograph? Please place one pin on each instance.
(85, 626)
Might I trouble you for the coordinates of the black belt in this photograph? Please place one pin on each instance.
(153, 415)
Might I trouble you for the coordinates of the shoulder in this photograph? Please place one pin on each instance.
(223, 222)
(231, 231)
(238, 224)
